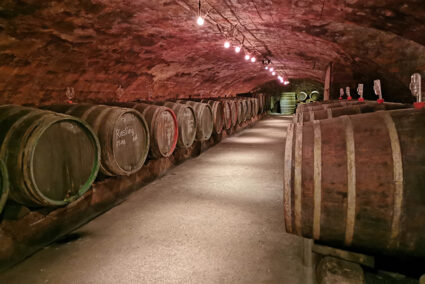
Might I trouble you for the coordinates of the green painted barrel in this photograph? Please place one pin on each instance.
(4, 185)
(288, 103)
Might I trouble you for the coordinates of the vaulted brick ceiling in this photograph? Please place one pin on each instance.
(155, 49)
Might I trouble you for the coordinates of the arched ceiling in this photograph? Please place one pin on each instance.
(125, 49)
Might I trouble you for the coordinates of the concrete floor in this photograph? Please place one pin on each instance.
(214, 219)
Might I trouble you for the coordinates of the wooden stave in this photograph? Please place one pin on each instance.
(378, 240)
(4, 185)
(29, 125)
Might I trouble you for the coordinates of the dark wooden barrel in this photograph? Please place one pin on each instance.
(346, 110)
(248, 108)
(4, 185)
(244, 109)
(233, 112)
(227, 114)
(186, 119)
(204, 118)
(123, 135)
(52, 159)
(358, 181)
(255, 106)
(163, 128)
(218, 115)
(239, 107)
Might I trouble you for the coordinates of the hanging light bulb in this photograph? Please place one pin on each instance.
(253, 59)
(200, 21)
(226, 44)
(247, 57)
(286, 83)
(237, 49)
(267, 67)
(280, 78)
(271, 69)
(273, 73)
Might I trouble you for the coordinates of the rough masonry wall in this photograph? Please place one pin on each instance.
(122, 50)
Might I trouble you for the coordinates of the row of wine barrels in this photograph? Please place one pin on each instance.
(218, 114)
(4, 185)
(357, 181)
(162, 126)
(346, 110)
(51, 158)
(123, 134)
(287, 103)
(204, 118)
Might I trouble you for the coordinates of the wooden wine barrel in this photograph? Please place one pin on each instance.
(4, 185)
(239, 107)
(347, 110)
(244, 109)
(227, 114)
(52, 159)
(163, 127)
(204, 118)
(218, 115)
(314, 107)
(248, 109)
(186, 120)
(256, 107)
(358, 181)
(123, 135)
(233, 112)
(287, 103)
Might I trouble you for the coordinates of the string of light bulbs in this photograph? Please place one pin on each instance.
(250, 55)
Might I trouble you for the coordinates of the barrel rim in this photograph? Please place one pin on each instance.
(31, 151)
(147, 143)
(4, 187)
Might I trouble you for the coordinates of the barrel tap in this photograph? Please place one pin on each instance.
(360, 92)
(416, 89)
(347, 91)
(378, 91)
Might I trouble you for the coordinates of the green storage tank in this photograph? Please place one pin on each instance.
(288, 103)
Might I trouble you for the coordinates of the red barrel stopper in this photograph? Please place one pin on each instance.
(349, 98)
(361, 100)
(419, 105)
(380, 101)
(340, 98)
(69, 101)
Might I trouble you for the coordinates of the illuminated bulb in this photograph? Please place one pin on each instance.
(237, 49)
(247, 57)
(273, 73)
(226, 44)
(253, 59)
(200, 21)
(267, 67)
(271, 69)
(286, 83)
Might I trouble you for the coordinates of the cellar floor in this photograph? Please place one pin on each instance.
(217, 218)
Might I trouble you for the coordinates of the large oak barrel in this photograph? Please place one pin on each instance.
(249, 109)
(288, 103)
(347, 110)
(358, 181)
(314, 107)
(218, 115)
(244, 109)
(4, 185)
(233, 112)
(204, 118)
(123, 135)
(239, 108)
(163, 127)
(51, 158)
(186, 120)
(227, 114)
(255, 106)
